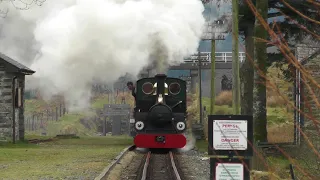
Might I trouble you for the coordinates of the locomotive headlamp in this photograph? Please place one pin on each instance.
(139, 125)
(160, 98)
(181, 126)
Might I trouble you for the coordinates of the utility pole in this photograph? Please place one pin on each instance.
(235, 59)
(200, 89)
(216, 36)
(213, 76)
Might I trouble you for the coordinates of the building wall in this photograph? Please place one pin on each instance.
(310, 105)
(6, 109)
(311, 111)
(5, 105)
(21, 81)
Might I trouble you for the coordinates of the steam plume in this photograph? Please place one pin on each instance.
(71, 42)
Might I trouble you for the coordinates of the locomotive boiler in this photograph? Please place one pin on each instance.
(160, 112)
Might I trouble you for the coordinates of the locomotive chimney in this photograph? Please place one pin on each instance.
(160, 78)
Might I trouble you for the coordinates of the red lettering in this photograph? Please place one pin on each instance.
(229, 126)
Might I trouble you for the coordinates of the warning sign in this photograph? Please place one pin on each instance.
(230, 135)
(229, 171)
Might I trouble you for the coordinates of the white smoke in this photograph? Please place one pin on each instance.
(191, 142)
(71, 42)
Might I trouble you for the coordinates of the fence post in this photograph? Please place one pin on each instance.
(60, 111)
(64, 109)
(292, 172)
(56, 113)
(104, 133)
(32, 122)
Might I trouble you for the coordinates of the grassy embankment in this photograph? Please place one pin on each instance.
(82, 158)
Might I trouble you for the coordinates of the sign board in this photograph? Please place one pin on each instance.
(230, 135)
(116, 109)
(229, 169)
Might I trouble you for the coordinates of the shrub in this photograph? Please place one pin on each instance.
(275, 101)
(223, 110)
(224, 98)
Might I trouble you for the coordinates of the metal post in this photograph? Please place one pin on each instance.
(235, 59)
(200, 89)
(213, 67)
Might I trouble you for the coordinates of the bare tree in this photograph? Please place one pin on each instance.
(18, 4)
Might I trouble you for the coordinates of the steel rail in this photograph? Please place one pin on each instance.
(176, 173)
(145, 167)
(145, 172)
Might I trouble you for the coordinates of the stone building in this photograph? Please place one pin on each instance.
(307, 102)
(12, 85)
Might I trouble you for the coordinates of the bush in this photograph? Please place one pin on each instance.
(224, 98)
(223, 110)
(276, 101)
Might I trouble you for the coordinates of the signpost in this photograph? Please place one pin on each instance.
(230, 136)
(229, 169)
(225, 170)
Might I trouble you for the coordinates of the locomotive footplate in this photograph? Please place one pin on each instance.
(160, 140)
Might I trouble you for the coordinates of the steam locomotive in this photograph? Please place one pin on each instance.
(160, 112)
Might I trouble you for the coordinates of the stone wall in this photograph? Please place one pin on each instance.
(6, 109)
(310, 103)
(310, 109)
(5, 105)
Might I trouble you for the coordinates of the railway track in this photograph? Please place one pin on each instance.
(159, 167)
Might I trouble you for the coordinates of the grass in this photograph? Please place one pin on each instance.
(68, 124)
(82, 158)
(278, 118)
(99, 102)
(202, 146)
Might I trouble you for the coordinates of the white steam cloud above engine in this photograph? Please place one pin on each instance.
(71, 42)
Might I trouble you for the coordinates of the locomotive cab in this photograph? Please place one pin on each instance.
(160, 112)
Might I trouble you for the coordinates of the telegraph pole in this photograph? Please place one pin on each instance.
(213, 68)
(200, 89)
(235, 59)
(216, 36)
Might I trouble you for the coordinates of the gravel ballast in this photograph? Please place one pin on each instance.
(194, 165)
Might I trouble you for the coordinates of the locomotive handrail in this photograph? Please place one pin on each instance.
(176, 104)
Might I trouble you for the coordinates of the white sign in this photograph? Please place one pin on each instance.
(229, 171)
(230, 134)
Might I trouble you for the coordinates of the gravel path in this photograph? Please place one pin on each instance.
(194, 165)
(130, 172)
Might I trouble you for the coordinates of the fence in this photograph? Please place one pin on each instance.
(35, 121)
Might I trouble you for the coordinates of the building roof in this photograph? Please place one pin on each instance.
(22, 68)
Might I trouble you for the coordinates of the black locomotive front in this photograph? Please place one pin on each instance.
(160, 112)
